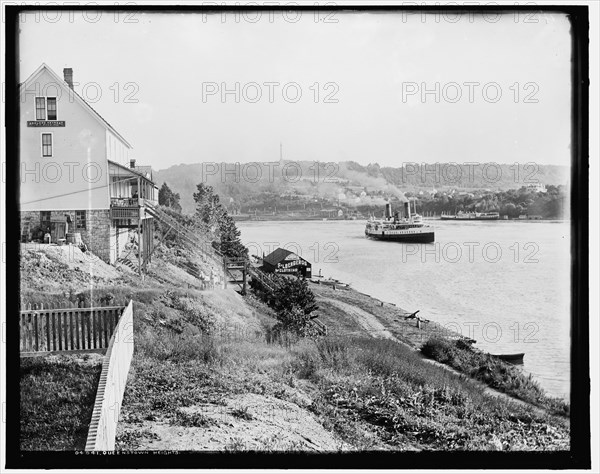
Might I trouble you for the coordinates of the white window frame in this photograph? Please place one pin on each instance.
(45, 97)
(42, 144)
(35, 108)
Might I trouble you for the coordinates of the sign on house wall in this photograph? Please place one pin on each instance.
(45, 123)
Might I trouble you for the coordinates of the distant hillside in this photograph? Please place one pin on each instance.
(246, 183)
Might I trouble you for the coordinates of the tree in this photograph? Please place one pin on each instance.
(168, 198)
(294, 302)
(207, 204)
(231, 245)
(211, 212)
(294, 293)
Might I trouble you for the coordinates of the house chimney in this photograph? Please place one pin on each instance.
(132, 163)
(68, 73)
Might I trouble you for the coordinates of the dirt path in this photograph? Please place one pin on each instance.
(366, 320)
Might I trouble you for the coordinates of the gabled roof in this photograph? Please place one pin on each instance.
(68, 90)
(279, 255)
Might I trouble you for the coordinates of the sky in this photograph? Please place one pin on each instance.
(370, 87)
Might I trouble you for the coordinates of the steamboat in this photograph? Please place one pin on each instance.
(400, 227)
(471, 216)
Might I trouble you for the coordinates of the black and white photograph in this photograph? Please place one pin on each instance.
(300, 235)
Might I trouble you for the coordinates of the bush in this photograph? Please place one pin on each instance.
(293, 294)
(491, 371)
(438, 349)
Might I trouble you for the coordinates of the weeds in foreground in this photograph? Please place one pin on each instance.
(132, 439)
(236, 445)
(273, 443)
(243, 413)
(184, 418)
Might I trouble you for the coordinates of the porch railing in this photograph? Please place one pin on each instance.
(125, 212)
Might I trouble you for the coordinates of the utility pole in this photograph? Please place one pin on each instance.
(139, 229)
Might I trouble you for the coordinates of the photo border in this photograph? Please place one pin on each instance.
(579, 455)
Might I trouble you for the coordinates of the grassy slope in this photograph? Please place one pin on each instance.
(372, 394)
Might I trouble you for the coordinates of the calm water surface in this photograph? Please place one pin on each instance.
(505, 284)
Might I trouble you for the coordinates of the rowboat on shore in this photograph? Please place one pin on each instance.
(516, 359)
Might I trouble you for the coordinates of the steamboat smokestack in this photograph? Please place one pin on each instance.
(407, 210)
(388, 210)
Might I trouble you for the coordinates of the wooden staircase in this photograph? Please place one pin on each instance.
(128, 263)
(200, 245)
(196, 244)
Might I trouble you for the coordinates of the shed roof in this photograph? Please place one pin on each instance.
(279, 255)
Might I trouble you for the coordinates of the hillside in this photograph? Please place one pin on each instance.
(254, 185)
(206, 376)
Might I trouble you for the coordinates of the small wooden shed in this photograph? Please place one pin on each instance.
(286, 262)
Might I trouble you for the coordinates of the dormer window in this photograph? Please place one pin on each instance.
(43, 104)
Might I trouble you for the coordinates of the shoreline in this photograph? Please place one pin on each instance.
(425, 327)
(403, 325)
(285, 218)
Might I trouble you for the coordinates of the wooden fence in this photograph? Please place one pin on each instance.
(109, 395)
(44, 331)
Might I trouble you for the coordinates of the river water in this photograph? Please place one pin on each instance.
(506, 284)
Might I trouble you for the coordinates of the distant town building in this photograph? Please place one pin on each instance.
(286, 262)
(334, 179)
(534, 217)
(77, 175)
(537, 187)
